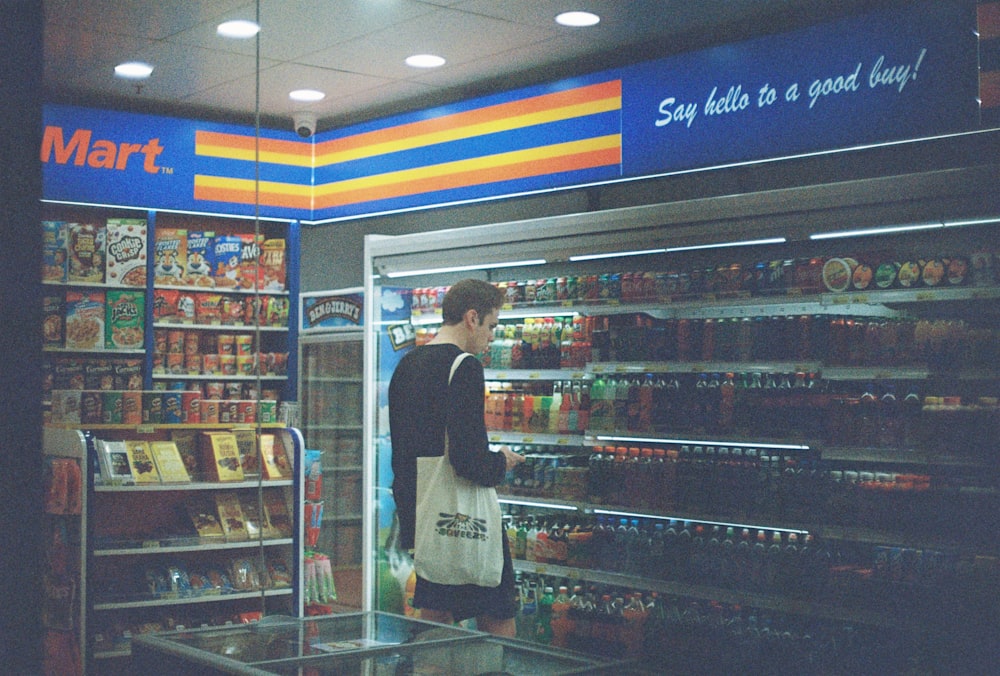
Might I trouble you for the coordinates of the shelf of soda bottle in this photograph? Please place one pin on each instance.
(674, 633)
(869, 273)
(760, 565)
(939, 502)
(790, 407)
(840, 340)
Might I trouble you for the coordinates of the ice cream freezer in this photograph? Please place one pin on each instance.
(374, 643)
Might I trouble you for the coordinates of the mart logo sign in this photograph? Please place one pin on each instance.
(81, 149)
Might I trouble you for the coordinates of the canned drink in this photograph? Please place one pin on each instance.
(172, 408)
(208, 410)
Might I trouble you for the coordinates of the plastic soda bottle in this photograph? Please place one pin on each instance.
(543, 625)
(562, 623)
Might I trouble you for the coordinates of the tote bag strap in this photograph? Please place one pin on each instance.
(451, 374)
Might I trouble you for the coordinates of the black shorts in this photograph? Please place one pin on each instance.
(469, 600)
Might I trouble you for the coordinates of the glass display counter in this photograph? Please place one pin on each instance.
(356, 643)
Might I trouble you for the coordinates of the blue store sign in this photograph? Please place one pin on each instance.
(891, 75)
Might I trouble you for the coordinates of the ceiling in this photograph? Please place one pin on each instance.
(354, 49)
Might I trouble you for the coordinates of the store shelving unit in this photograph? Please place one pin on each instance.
(129, 532)
(268, 337)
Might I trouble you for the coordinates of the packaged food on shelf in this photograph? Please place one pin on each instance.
(126, 252)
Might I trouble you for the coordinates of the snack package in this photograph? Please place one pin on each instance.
(126, 252)
(165, 304)
(231, 517)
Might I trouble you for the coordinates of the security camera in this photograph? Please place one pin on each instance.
(305, 123)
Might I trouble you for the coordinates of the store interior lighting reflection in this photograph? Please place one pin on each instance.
(466, 268)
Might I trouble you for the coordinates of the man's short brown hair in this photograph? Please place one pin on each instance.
(470, 294)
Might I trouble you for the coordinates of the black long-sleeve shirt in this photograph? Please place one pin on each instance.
(420, 407)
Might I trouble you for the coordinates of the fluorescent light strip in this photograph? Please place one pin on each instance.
(749, 242)
(615, 254)
(517, 314)
(739, 444)
(611, 512)
(972, 221)
(161, 210)
(875, 231)
(464, 268)
(540, 505)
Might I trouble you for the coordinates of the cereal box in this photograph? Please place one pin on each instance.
(272, 265)
(126, 252)
(198, 271)
(98, 374)
(85, 320)
(125, 319)
(249, 257)
(128, 374)
(226, 251)
(53, 251)
(85, 249)
(169, 256)
(53, 318)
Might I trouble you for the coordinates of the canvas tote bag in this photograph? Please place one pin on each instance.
(458, 523)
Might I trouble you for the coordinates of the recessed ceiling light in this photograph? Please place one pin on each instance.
(424, 61)
(577, 19)
(239, 29)
(133, 70)
(306, 95)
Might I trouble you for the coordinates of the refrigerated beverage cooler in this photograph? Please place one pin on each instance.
(774, 450)
(330, 400)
